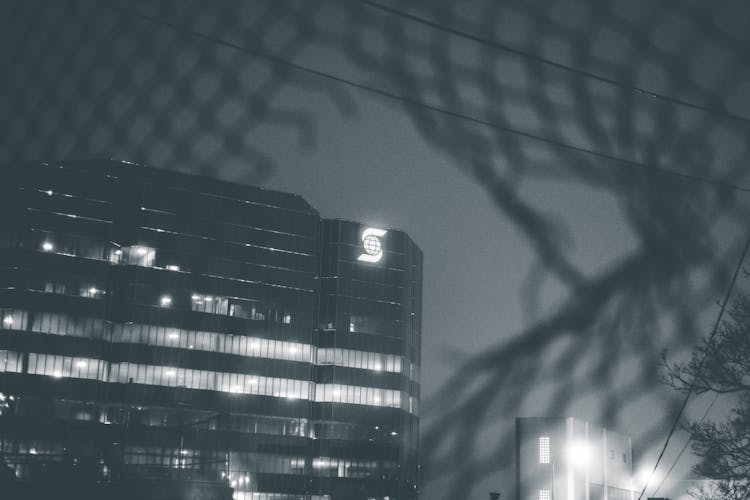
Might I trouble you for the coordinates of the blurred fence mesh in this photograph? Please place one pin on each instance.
(81, 78)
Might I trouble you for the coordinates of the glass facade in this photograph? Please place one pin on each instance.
(162, 326)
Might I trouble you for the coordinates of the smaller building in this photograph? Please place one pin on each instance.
(571, 459)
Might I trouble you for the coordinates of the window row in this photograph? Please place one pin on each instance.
(10, 361)
(351, 394)
(347, 431)
(75, 288)
(13, 319)
(136, 255)
(343, 467)
(67, 366)
(212, 342)
(256, 495)
(210, 380)
(69, 244)
(234, 266)
(87, 368)
(241, 464)
(62, 324)
(359, 359)
(73, 326)
(236, 307)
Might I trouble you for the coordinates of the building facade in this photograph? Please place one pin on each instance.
(158, 326)
(571, 459)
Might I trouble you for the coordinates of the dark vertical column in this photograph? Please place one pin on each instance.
(30, 318)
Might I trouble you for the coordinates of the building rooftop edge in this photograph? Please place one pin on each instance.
(129, 163)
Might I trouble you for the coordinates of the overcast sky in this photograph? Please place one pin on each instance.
(515, 232)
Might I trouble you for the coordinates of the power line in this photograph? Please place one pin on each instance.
(555, 64)
(687, 443)
(652, 169)
(700, 365)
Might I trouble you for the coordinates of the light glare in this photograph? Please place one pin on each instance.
(579, 454)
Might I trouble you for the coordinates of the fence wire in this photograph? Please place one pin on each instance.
(641, 90)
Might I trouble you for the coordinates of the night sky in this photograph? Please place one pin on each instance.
(554, 277)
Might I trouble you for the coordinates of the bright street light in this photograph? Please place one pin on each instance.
(579, 454)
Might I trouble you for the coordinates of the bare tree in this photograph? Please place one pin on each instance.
(721, 365)
(725, 490)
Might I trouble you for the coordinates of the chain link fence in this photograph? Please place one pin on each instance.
(640, 100)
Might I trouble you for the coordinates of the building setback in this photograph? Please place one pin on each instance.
(162, 327)
(571, 459)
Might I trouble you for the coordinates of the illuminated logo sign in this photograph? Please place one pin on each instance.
(372, 244)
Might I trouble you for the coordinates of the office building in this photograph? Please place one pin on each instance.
(164, 328)
(571, 459)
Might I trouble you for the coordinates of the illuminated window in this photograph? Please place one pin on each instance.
(92, 292)
(545, 495)
(210, 304)
(138, 255)
(115, 256)
(544, 450)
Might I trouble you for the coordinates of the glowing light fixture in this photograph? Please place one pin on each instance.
(8, 320)
(47, 246)
(165, 301)
(372, 245)
(646, 475)
(579, 454)
(141, 251)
